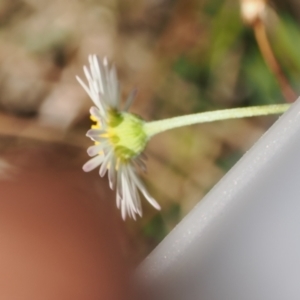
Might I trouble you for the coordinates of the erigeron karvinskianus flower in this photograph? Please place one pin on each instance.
(119, 138)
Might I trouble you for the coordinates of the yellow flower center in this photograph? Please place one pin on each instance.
(126, 134)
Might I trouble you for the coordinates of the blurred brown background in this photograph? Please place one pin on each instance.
(183, 56)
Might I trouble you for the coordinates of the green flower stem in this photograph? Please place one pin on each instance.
(155, 127)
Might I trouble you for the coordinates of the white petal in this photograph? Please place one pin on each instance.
(130, 99)
(95, 149)
(96, 78)
(89, 79)
(127, 193)
(97, 113)
(105, 61)
(114, 86)
(144, 190)
(118, 96)
(123, 210)
(95, 132)
(93, 163)
(93, 88)
(98, 139)
(136, 197)
(99, 73)
(112, 173)
(85, 87)
(105, 163)
(141, 164)
(118, 200)
(119, 182)
(109, 92)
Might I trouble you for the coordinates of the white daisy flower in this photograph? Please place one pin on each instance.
(119, 138)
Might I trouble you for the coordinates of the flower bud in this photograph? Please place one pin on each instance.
(253, 10)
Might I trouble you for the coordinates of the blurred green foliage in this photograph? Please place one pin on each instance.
(227, 69)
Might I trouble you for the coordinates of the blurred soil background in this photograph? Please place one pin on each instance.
(184, 56)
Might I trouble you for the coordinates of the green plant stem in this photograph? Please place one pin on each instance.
(155, 127)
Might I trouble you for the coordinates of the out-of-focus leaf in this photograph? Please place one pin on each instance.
(226, 31)
(226, 162)
(286, 43)
(262, 87)
(160, 225)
